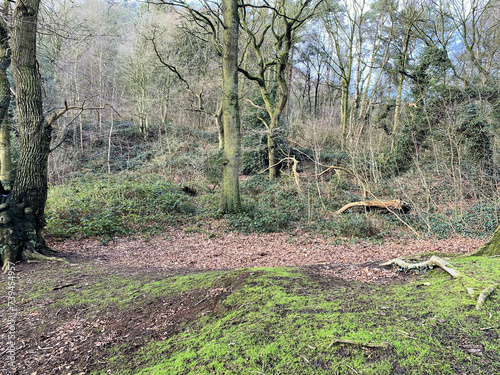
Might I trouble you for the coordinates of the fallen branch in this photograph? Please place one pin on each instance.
(373, 345)
(366, 191)
(432, 262)
(484, 295)
(383, 204)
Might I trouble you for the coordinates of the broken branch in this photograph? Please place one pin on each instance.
(384, 204)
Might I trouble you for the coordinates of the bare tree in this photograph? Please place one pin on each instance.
(271, 31)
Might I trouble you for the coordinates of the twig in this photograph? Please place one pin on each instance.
(352, 369)
(82, 310)
(248, 303)
(63, 286)
(492, 327)
(200, 301)
(383, 345)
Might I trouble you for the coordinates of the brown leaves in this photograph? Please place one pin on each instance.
(179, 249)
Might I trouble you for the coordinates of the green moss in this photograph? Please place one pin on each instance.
(285, 320)
(281, 321)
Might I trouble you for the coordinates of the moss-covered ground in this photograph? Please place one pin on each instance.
(82, 318)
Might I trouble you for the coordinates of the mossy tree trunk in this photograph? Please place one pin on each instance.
(5, 158)
(492, 247)
(230, 197)
(22, 216)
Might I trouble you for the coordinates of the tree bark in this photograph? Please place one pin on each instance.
(230, 196)
(5, 156)
(22, 216)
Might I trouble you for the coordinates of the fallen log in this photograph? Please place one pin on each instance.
(380, 204)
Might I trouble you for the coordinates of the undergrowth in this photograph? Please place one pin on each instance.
(108, 206)
(115, 205)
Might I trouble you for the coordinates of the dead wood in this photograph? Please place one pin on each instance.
(373, 345)
(381, 204)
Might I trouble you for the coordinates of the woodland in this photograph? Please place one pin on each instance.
(266, 187)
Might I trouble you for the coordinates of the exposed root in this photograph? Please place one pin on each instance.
(6, 266)
(434, 261)
(439, 262)
(35, 256)
(484, 295)
(8, 258)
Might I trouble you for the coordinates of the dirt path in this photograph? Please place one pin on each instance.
(178, 250)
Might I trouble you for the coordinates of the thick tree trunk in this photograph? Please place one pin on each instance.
(492, 247)
(22, 216)
(230, 197)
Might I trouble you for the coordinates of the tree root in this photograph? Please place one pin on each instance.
(34, 256)
(383, 345)
(484, 295)
(8, 258)
(439, 262)
(434, 261)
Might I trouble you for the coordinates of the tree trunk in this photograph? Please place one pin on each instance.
(22, 216)
(271, 154)
(5, 158)
(5, 155)
(492, 247)
(220, 126)
(230, 196)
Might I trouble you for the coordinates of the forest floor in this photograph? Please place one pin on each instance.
(180, 249)
(111, 300)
